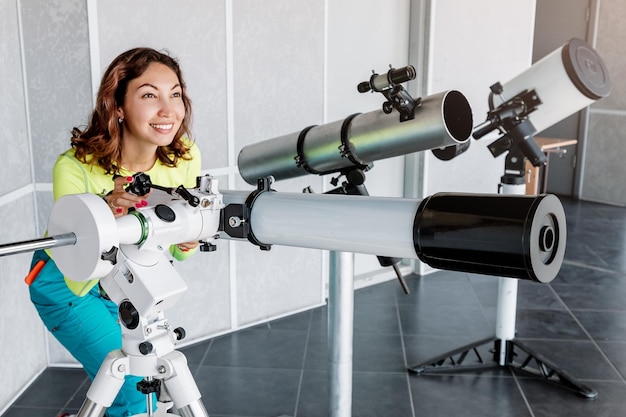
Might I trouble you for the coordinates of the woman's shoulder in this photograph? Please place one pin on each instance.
(67, 160)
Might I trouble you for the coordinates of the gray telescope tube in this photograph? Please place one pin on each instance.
(442, 120)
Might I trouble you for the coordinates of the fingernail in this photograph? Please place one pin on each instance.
(144, 203)
(129, 179)
(138, 205)
(119, 210)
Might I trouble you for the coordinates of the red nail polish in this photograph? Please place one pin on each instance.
(138, 205)
(119, 210)
(144, 203)
(129, 179)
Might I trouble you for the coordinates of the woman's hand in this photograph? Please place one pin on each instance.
(120, 201)
(187, 246)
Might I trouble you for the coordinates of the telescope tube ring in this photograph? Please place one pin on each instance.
(346, 149)
(301, 161)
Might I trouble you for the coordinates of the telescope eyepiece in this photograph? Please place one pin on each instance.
(402, 75)
(393, 77)
(364, 87)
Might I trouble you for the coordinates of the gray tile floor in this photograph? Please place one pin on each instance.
(578, 322)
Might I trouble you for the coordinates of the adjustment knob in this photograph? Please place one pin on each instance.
(145, 348)
(180, 333)
(148, 387)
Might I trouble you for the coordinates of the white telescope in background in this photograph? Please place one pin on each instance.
(567, 80)
(563, 82)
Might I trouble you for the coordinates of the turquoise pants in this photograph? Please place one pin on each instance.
(87, 327)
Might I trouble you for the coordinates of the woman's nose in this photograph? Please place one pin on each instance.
(165, 108)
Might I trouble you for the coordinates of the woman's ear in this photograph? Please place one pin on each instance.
(120, 113)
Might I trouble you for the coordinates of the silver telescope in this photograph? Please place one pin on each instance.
(503, 235)
(441, 121)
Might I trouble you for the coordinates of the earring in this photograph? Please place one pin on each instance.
(120, 120)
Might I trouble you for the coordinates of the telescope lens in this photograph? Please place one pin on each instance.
(546, 238)
(457, 115)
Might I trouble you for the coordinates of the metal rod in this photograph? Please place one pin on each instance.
(66, 239)
(506, 310)
(340, 333)
(506, 315)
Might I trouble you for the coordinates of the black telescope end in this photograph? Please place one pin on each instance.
(585, 69)
(457, 115)
(504, 235)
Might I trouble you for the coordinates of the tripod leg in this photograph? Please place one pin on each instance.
(549, 371)
(181, 386)
(105, 386)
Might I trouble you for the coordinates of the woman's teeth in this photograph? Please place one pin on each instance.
(162, 127)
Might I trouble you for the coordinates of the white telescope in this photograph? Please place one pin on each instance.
(567, 80)
(516, 236)
(557, 86)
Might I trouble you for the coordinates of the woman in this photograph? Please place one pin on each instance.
(140, 124)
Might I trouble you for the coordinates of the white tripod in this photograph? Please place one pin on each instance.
(148, 340)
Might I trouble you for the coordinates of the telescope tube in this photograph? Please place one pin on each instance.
(442, 120)
(566, 80)
(514, 236)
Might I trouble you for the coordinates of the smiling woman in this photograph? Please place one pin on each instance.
(151, 114)
(140, 124)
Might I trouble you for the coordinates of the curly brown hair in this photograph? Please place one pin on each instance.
(101, 142)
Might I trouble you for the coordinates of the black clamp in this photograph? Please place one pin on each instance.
(301, 161)
(345, 148)
(235, 218)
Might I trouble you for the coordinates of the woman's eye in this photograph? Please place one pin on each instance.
(148, 95)
(177, 94)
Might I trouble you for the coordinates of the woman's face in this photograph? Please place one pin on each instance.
(153, 107)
